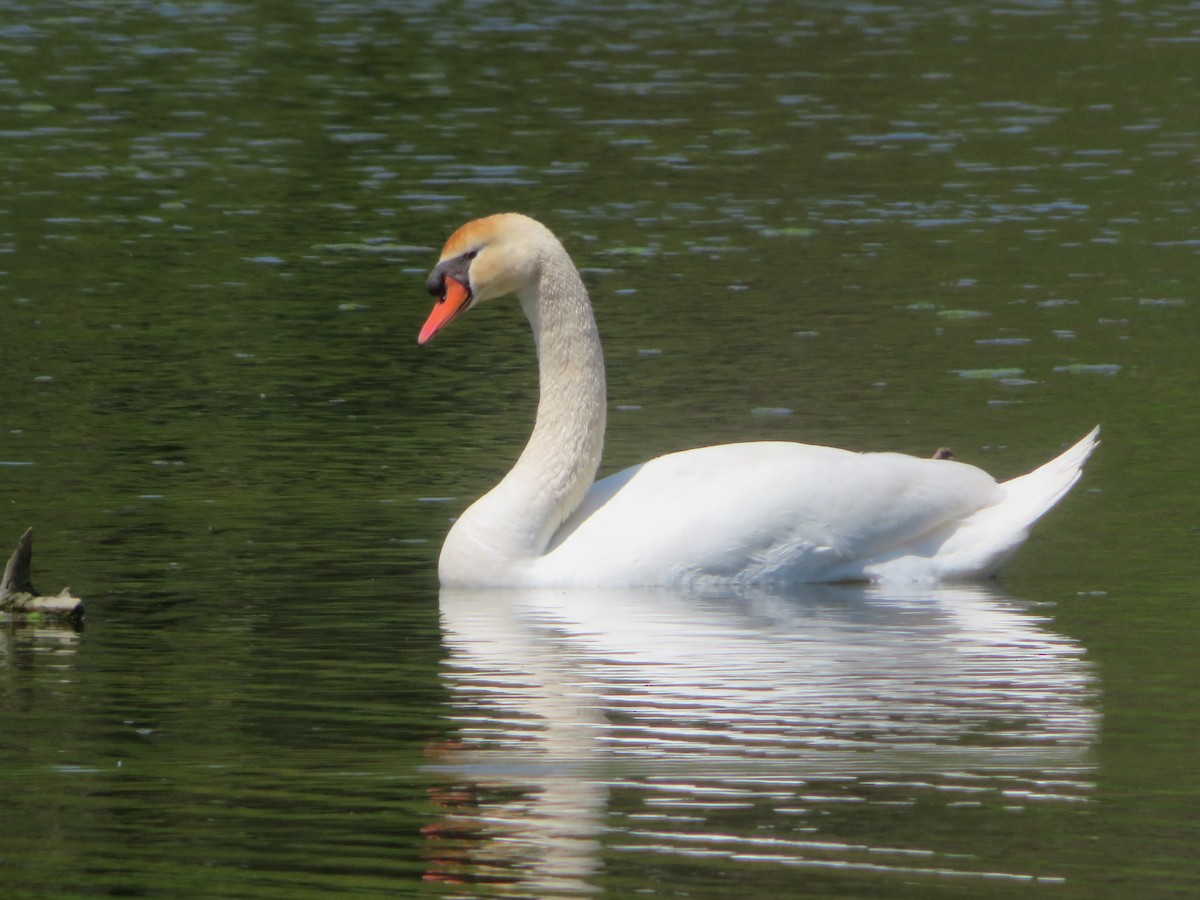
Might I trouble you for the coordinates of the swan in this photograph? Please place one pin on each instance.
(757, 513)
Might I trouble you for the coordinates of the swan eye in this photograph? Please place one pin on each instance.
(457, 267)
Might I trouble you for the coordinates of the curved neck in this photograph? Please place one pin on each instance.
(516, 520)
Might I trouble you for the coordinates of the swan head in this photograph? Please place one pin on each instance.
(484, 259)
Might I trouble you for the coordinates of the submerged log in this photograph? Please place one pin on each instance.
(18, 596)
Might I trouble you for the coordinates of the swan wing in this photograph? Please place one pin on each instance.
(759, 512)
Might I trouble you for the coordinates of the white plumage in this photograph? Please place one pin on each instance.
(752, 513)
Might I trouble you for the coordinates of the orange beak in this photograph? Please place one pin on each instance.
(456, 299)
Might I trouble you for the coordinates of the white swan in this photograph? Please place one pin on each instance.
(752, 513)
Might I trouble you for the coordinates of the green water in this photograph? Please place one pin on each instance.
(873, 227)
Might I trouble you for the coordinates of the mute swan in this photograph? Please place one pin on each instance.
(752, 513)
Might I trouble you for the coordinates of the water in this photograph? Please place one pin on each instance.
(653, 727)
(867, 226)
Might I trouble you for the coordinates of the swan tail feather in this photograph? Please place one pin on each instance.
(987, 539)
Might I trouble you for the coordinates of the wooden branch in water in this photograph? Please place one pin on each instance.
(17, 594)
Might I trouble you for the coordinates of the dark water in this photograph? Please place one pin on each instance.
(860, 225)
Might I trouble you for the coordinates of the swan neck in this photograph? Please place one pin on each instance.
(514, 523)
(564, 449)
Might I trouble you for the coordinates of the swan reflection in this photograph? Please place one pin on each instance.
(775, 705)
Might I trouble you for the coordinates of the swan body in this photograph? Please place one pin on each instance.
(752, 513)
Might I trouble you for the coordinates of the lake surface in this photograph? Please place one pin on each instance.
(868, 226)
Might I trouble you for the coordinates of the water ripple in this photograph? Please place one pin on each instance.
(711, 710)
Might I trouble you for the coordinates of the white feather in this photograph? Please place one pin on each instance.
(750, 513)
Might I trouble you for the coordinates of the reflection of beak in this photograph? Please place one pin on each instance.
(456, 300)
